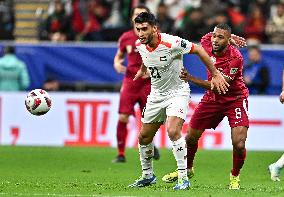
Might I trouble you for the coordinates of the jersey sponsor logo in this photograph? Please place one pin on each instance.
(183, 43)
(233, 70)
(163, 59)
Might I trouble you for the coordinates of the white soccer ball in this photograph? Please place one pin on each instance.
(38, 102)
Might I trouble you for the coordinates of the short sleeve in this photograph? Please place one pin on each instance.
(121, 44)
(235, 67)
(182, 46)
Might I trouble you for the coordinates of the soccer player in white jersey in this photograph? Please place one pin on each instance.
(162, 56)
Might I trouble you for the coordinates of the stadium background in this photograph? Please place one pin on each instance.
(83, 64)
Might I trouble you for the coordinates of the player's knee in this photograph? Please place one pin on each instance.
(191, 139)
(144, 139)
(239, 145)
(174, 134)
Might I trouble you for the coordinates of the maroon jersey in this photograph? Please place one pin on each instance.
(126, 44)
(231, 65)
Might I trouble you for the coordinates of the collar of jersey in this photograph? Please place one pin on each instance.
(153, 49)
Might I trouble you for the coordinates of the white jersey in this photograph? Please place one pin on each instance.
(165, 62)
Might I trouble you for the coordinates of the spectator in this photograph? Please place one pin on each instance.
(166, 23)
(194, 26)
(7, 20)
(13, 72)
(256, 73)
(254, 29)
(275, 26)
(57, 26)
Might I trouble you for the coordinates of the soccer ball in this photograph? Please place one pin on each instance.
(38, 102)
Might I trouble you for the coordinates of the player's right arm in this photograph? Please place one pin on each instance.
(118, 60)
(184, 75)
(282, 93)
(218, 81)
(142, 72)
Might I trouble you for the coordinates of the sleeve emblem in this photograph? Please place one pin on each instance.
(183, 44)
(233, 71)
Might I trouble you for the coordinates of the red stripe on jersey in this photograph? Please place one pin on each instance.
(169, 45)
(192, 48)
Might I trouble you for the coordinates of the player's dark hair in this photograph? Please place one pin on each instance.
(140, 6)
(145, 17)
(224, 26)
(9, 50)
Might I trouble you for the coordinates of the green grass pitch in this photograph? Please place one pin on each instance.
(68, 171)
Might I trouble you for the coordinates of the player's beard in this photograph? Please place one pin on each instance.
(149, 39)
(219, 49)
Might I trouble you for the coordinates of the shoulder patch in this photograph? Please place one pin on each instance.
(183, 43)
(233, 71)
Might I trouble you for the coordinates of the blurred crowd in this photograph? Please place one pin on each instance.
(260, 21)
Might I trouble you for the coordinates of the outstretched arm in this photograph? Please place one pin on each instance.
(184, 75)
(218, 81)
(282, 93)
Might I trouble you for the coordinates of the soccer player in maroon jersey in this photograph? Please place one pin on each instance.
(214, 107)
(131, 92)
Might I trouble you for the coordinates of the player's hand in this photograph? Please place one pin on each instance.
(120, 68)
(146, 75)
(282, 97)
(238, 41)
(220, 83)
(184, 75)
(140, 73)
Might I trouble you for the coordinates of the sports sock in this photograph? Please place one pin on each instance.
(280, 162)
(146, 154)
(180, 152)
(121, 133)
(238, 162)
(191, 150)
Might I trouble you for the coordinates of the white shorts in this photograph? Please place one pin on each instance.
(158, 108)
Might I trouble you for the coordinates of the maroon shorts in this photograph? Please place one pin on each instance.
(209, 114)
(131, 93)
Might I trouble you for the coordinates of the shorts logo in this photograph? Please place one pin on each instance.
(233, 71)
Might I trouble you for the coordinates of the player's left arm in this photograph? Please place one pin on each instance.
(218, 81)
(186, 76)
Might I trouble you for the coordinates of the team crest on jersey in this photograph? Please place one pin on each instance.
(233, 71)
(183, 43)
(213, 59)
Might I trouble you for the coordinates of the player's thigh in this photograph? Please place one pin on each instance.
(237, 113)
(148, 130)
(177, 106)
(206, 115)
